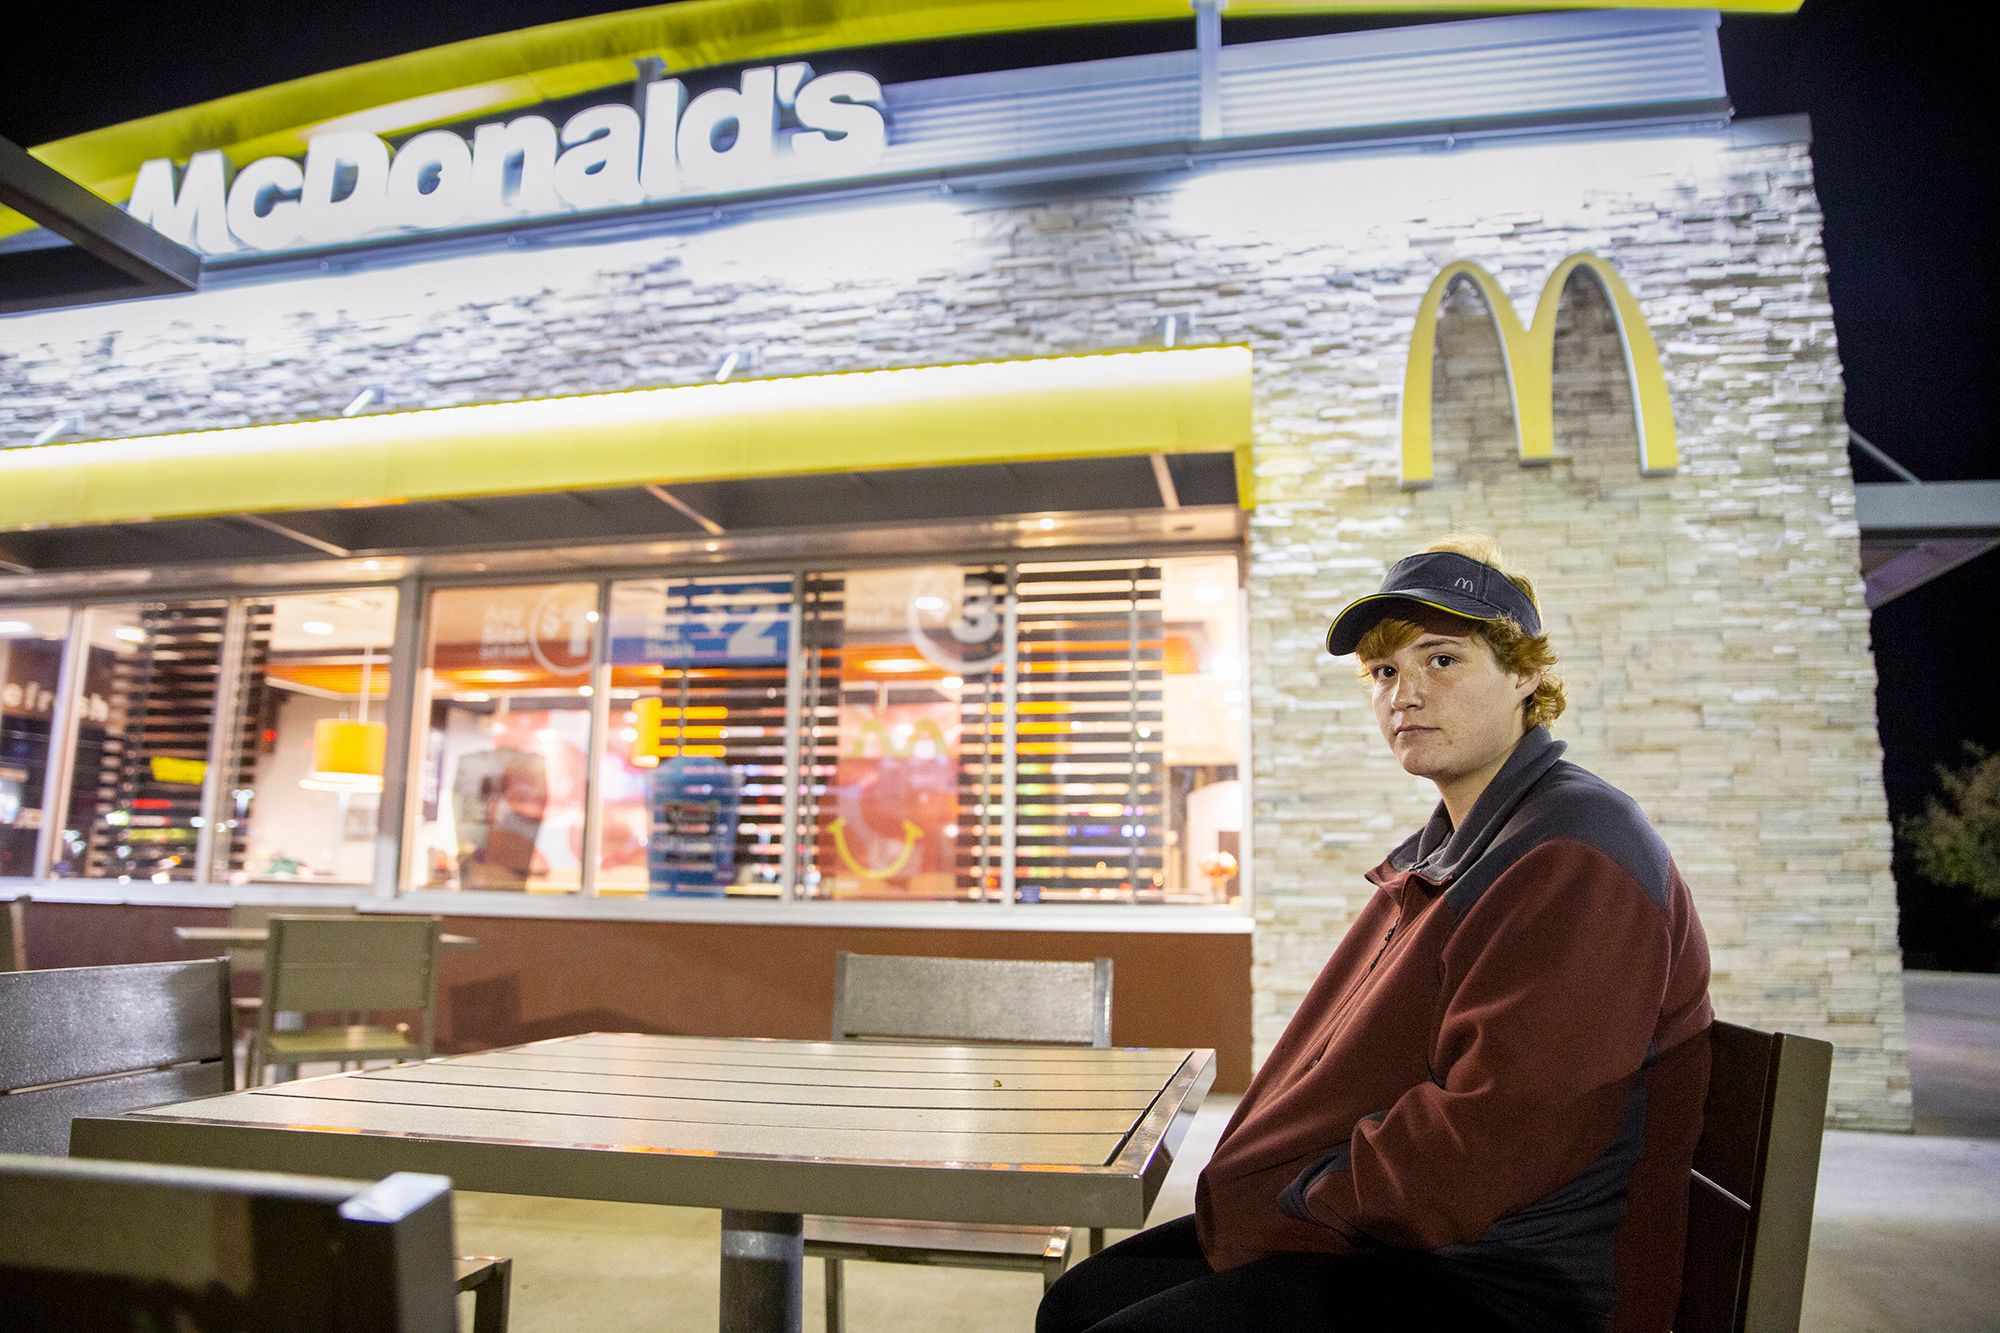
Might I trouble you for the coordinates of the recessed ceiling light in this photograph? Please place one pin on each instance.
(317, 627)
(12, 627)
(130, 633)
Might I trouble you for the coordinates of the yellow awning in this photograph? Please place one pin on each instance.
(1100, 405)
(493, 75)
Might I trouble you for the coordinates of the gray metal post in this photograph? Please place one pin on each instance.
(791, 871)
(60, 765)
(395, 812)
(225, 728)
(600, 738)
(1208, 60)
(763, 1271)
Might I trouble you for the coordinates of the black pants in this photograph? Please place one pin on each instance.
(1158, 1281)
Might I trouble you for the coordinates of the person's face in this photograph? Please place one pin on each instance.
(1449, 711)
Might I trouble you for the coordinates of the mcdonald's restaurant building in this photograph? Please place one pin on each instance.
(677, 528)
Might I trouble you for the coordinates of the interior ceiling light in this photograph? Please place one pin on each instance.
(317, 627)
(348, 755)
(130, 633)
(9, 628)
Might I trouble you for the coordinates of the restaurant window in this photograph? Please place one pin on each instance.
(300, 792)
(692, 786)
(505, 708)
(1129, 741)
(31, 649)
(902, 724)
(149, 695)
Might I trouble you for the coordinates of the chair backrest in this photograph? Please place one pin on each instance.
(13, 935)
(119, 1245)
(245, 958)
(1756, 1170)
(100, 1040)
(352, 964)
(972, 999)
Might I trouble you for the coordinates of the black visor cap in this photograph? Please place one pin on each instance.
(1443, 580)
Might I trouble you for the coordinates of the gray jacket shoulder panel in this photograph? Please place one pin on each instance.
(1569, 803)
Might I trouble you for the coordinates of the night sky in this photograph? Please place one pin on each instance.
(1902, 108)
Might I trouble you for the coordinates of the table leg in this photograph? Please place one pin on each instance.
(763, 1271)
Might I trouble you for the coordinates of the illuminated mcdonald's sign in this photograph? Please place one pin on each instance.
(1529, 355)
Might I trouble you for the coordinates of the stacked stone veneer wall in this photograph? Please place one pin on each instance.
(1711, 622)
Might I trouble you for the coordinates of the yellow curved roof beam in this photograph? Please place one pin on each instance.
(1528, 355)
(496, 74)
(1091, 405)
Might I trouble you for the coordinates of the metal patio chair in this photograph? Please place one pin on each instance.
(90, 1245)
(888, 997)
(247, 960)
(346, 966)
(1756, 1170)
(100, 1040)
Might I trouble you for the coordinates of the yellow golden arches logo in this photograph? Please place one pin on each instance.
(912, 831)
(1529, 355)
(876, 739)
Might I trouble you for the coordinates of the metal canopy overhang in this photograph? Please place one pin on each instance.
(1915, 531)
(110, 257)
(556, 60)
(1102, 433)
(499, 75)
(1120, 118)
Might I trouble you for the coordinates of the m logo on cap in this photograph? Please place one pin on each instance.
(1465, 584)
(1529, 355)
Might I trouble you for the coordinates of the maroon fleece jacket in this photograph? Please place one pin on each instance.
(1502, 1063)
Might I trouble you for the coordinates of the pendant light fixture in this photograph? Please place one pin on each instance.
(348, 753)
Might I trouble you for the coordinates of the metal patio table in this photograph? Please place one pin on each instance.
(764, 1130)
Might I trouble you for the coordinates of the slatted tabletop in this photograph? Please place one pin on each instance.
(766, 1131)
(939, 1132)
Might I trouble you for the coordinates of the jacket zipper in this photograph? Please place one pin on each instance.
(1394, 926)
(1338, 1021)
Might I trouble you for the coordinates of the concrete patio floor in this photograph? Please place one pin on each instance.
(1906, 1234)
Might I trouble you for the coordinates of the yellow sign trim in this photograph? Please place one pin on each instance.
(1529, 357)
(1098, 405)
(493, 75)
